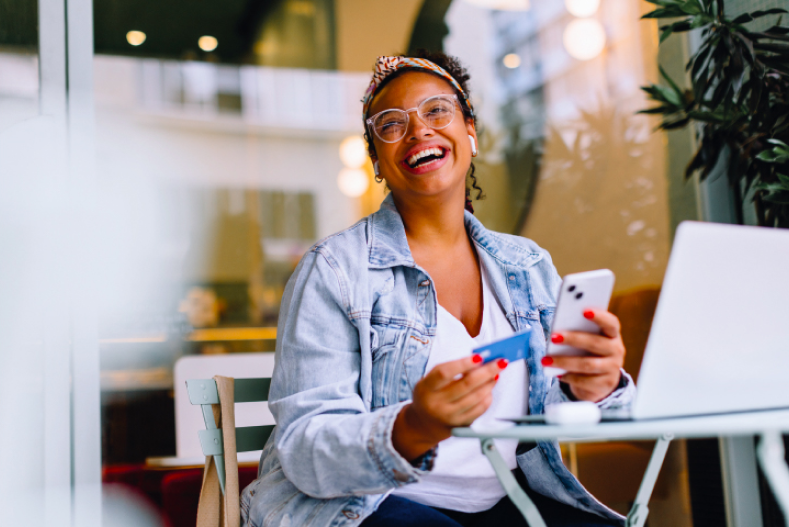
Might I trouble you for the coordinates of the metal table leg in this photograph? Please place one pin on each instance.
(770, 453)
(514, 491)
(638, 514)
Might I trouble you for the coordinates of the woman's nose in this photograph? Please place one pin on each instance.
(417, 127)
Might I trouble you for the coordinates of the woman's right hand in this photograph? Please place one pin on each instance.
(452, 394)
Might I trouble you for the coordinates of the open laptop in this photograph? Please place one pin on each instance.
(719, 341)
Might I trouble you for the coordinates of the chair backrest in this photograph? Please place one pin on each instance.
(204, 392)
(189, 418)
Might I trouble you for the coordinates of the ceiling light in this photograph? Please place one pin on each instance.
(582, 8)
(135, 38)
(502, 5)
(353, 151)
(512, 60)
(207, 43)
(353, 182)
(584, 38)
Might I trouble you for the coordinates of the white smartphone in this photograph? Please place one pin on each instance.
(579, 292)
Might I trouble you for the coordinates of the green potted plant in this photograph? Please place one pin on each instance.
(739, 101)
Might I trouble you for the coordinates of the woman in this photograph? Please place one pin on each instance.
(374, 366)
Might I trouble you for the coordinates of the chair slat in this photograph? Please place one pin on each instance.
(251, 438)
(212, 442)
(251, 390)
(202, 391)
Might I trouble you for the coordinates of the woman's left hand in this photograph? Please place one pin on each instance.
(592, 377)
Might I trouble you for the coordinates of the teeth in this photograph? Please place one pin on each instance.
(424, 153)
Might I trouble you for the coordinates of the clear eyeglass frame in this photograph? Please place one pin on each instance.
(449, 97)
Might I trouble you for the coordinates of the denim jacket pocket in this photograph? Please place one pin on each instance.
(386, 345)
(382, 372)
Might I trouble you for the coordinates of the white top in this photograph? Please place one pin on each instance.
(462, 478)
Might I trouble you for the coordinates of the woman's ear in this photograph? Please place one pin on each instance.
(472, 134)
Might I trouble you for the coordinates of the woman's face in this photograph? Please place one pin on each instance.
(443, 177)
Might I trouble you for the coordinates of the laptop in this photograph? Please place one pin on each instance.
(719, 342)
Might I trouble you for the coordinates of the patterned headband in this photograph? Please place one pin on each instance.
(385, 66)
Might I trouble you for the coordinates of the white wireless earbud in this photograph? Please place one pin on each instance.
(376, 169)
(473, 145)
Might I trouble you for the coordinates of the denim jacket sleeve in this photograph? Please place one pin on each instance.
(329, 443)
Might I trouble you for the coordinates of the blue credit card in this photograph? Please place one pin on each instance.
(511, 348)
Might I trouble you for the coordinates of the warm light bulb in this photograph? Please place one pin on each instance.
(353, 151)
(135, 38)
(582, 8)
(502, 5)
(584, 38)
(512, 60)
(207, 43)
(353, 182)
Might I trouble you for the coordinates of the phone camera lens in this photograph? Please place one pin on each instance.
(578, 296)
(571, 288)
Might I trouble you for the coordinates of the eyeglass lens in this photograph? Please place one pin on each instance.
(435, 112)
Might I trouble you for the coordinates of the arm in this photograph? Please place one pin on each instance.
(329, 444)
(600, 378)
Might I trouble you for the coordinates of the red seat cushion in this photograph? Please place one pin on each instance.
(181, 493)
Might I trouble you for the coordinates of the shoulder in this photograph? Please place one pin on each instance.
(517, 252)
(351, 244)
(510, 249)
(336, 261)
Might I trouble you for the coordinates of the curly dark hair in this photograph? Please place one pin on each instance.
(452, 66)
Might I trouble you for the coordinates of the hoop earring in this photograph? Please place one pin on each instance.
(378, 178)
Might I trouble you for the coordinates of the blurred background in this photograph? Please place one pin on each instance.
(165, 164)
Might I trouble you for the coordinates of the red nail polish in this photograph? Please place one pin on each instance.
(476, 359)
(496, 378)
(557, 338)
(547, 361)
(502, 363)
(589, 314)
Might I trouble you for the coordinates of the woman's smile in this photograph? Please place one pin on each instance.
(425, 157)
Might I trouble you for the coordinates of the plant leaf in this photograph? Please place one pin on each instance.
(665, 12)
(691, 7)
(675, 124)
(747, 17)
(777, 197)
(658, 109)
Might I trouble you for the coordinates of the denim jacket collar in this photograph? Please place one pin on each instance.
(389, 245)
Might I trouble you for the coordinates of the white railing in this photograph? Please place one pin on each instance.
(271, 97)
(279, 98)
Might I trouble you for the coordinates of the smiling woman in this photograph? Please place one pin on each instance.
(392, 308)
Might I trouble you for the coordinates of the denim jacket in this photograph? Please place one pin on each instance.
(356, 324)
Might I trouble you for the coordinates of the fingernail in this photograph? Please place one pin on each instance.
(476, 359)
(588, 314)
(502, 363)
(547, 361)
(496, 378)
(557, 338)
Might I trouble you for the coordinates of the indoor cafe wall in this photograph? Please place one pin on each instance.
(601, 200)
(600, 194)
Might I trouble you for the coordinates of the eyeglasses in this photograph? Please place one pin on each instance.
(437, 112)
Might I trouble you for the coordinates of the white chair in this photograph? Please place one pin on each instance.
(189, 418)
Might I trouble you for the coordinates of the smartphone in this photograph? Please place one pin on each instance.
(579, 292)
(512, 348)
